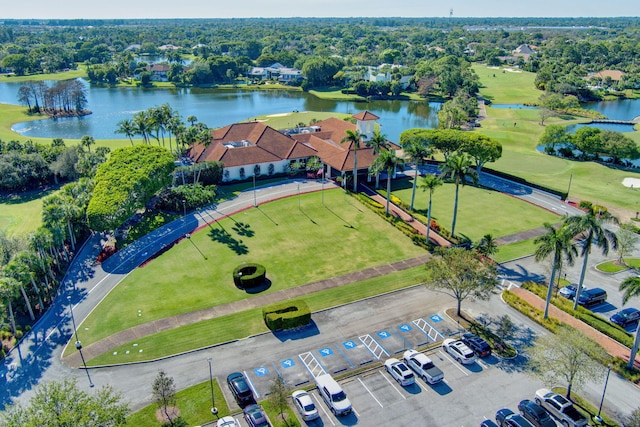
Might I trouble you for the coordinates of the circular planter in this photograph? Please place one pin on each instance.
(249, 275)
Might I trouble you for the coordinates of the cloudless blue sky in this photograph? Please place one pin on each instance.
(67, 9)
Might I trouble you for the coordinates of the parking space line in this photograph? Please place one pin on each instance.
(373, 346)
(453, 362)
(311, 363)
(482, 363)
(345, 356)
(321, 406)
(369, 391)
(392, 384)
(253, 388)
(427, 329)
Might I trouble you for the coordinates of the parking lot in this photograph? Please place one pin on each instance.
(468, 394)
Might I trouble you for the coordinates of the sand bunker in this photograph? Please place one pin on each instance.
(631, 182)
(279, 115)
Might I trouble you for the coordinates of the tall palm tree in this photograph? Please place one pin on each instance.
(430, 183)
(378, 142)
(127, 128)
(143, 125)
(558, 243)
(487, 245)
(20, 275)
(354, 138)
(459, 167)
(417, 149)
(8, 292)
(591, 228)
(631, 288)
(387, 161)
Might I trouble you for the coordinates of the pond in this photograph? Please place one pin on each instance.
(215, 108)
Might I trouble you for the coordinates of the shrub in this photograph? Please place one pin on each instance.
(585, 204)
(249, 275)
(286, 315)
(186, 197)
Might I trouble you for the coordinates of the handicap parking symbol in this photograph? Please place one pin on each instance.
(326, 351)
(349, 344)
(384, 334)
(435, 318)
(405, 327)
(287, 363)
(261, 371)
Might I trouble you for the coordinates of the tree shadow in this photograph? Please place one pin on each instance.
(299, 333)
(243, 229)
(519, 273)
(227, 239)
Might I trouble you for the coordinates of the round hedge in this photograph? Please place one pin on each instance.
(249, 275)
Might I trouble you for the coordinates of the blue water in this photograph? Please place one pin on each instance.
(604, 126)
(514, 106)
(213, 107)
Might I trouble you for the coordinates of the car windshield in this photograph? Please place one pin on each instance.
(310, 407)
(339, 397)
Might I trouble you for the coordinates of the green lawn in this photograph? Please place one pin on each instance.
(501, 86)
(297, 246)
(21, 214)
(614, 267)
(480, 211)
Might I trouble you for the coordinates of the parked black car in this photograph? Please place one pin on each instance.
(479, 346)
(626, 316)
(505, 417)
(240, 389)
(535, 414)
(591, 297)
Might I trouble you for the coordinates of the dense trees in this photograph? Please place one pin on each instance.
(63, 97)
(126, 182)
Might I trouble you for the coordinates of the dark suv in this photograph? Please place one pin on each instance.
(240, 388)
(591, 297)
(479, 346)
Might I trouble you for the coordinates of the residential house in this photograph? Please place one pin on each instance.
(252, 148)
(276, 71)
(159, 72)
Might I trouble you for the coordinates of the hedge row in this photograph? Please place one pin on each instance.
(611, 330)
(286, 315)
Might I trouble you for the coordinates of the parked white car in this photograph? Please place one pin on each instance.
(459, 351)
(400, 372)
(227, 422)
(304, 404)
(423, 366)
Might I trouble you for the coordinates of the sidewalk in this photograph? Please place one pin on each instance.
(613, 347)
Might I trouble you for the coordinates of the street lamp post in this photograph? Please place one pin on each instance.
(569, 187)
(78, 343)
(255, 202)
(606, 381)
(214, 410)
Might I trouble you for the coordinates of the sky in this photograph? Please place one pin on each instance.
(71, 9)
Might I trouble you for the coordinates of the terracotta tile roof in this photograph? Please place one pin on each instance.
(615, 75)
(365, 116)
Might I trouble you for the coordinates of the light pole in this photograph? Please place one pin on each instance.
(214, 410)
(323, 184)
(255, 202)
(78, 343)
(569, 188)
(184, 216)
(606, 381)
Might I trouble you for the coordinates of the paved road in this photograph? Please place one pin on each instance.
(38, 356)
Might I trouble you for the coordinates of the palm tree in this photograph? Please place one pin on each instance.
(387, 161)
(127, 128)
(557, 242)
(8, 292)
(87, 141)
(354, 138)
(590, 227)
(631, 288)
(430, 183)
(459, 167)
(143, 125)
(378, 142)
(487, 246)
(18, 272)
(417, 149)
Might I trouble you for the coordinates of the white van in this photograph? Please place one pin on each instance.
(333, 395)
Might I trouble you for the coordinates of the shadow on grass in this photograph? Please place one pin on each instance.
(227, 239)
(10, 198)
(243, 229)
(257, 289)
(299, 333)
(310, 219)
(347, 224)
(265, 214)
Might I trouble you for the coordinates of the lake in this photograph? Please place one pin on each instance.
(214, 107)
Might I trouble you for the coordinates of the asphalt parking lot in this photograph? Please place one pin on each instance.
(467, 395)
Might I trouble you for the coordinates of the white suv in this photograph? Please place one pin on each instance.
(459, 351)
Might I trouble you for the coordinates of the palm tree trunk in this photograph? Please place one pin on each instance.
(27, 302)
(35, 287)
(429, 216)
(388, 190)
(71, 236)
(415, 184)
(455, 209)
(12, 318)
(581, 281)
(550, 290)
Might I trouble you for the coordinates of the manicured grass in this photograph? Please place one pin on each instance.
(64, 75)
(22, 213)
(296, 245)
(480, 211)
(515, 250)
(613, 266)
(287, 120)
(194, 404)
(506, 87)
(247, 323)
